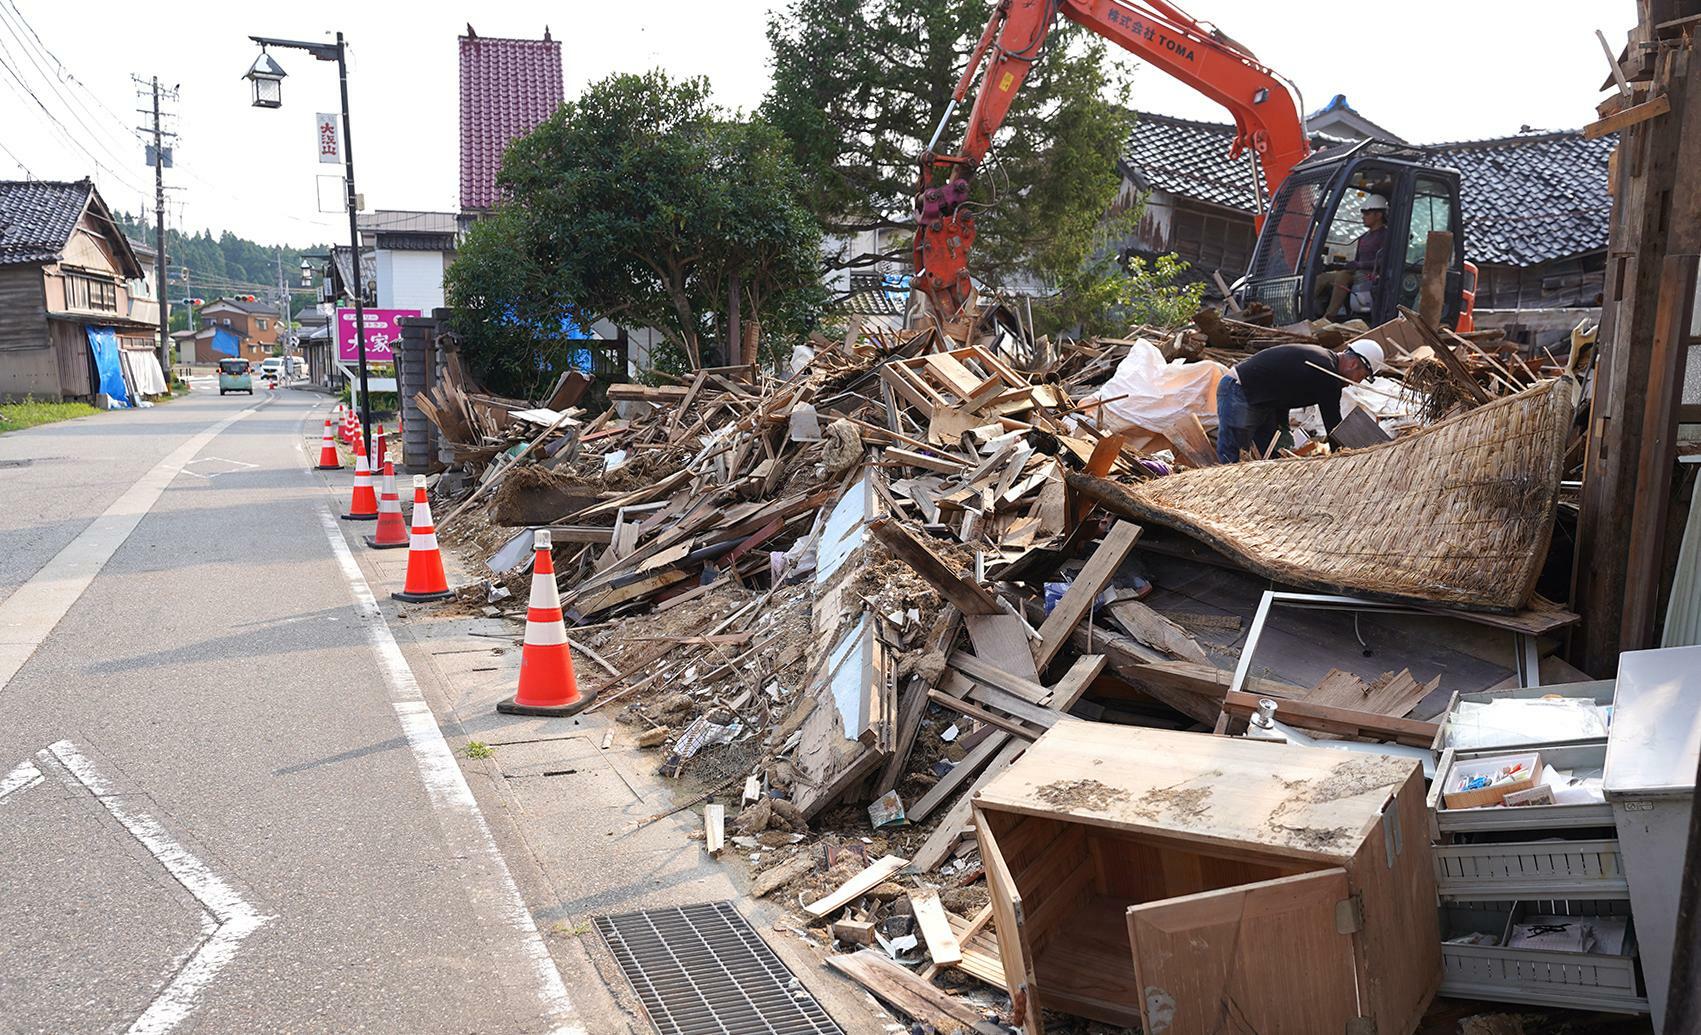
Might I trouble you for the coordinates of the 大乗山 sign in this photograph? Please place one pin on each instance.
(383, 330)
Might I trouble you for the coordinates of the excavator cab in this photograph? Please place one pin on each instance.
(1317, 217)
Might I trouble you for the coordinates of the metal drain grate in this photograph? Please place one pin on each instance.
(703, 970)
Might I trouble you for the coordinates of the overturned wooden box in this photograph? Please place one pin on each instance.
(1192, 883)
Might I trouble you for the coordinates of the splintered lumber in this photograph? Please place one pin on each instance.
(1064, 695)
(781, 874)
(891, 983)
(1393, 694)
(1344, 722)
(1190, 688)
(935, 929)
(857, 886)
(980, 948)
(936, 795)
(1153, 629)
(984, 715)
(714, 828)
(1078, 599)
(1651, 108)
(968, 596)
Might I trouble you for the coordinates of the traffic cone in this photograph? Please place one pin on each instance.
(363, 504)
(425, 579)
(329, 458)
(392, 531)
(342, 423)
(547, 686)
(381, 450)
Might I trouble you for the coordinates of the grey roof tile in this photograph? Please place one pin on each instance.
(1526, 199)
(37, 217)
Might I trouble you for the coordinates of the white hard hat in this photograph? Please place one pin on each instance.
(1374, 201)
(1371, 353)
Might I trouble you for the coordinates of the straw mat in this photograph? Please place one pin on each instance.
(1458, 514)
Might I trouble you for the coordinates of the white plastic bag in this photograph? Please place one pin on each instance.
(1156, 394)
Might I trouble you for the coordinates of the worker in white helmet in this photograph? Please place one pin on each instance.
(1366, 260)
(1254, 398)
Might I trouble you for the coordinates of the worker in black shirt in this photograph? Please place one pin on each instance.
(1254, 398)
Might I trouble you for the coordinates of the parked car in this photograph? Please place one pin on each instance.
(272, 368)
(235, 376)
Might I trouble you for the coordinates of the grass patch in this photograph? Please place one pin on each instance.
(479, 749)
(29, 413)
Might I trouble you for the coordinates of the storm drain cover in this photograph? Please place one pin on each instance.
(703, 970)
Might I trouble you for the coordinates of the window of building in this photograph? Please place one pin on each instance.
(93, 293)
(262, 325)
(225, 321)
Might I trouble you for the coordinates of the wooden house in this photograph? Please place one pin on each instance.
(66, 273)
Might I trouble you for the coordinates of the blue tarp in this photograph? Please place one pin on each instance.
(103, 343)
(226, 341)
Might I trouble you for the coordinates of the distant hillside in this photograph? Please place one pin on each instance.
(223, 265)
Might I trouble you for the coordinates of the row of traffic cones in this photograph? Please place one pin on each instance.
(547, 685)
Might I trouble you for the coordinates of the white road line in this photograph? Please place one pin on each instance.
(34, 609)
(229, 919)
(463, 823)
(23, 776)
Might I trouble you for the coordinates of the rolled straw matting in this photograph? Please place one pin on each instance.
(1457, 514)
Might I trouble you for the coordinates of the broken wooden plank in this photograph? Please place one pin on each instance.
(929, 915)
(985, 715)
(781, 874)
(1395, 693)
(1078, 599)
(714, 828)
(1155, 630)
(857, 886)
(1359, 430)
(969, 597)
(988, 673)
(859, 931)
(917, 999)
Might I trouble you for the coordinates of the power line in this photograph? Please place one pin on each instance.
(52, 85)
(119, 120)
(63, 129)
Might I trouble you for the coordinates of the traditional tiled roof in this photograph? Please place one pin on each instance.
(259, 307)
(1347, 115)
(1526, 199)
(508, 86)
(1533, 197)
(37, 217)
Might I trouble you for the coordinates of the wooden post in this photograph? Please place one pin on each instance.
(1432, 296)
(1656, 211)
(1658, 453)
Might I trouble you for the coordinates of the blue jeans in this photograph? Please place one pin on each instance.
(1241, 425)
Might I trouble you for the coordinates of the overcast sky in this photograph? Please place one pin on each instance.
(1435, 71)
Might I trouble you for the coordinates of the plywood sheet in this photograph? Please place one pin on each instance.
(1305, 803)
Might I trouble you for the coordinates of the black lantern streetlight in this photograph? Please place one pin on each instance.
(267, 78)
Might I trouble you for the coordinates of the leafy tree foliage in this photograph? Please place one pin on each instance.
(639, 202)
(217, 263)
(859, 86)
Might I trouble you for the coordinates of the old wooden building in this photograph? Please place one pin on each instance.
(68, 276)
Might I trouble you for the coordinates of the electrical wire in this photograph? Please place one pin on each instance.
(117, 119)
(53, 86)
(65, 131)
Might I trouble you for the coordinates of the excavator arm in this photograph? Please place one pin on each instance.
(1267, 122)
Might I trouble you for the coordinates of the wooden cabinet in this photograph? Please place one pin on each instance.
(1189, 883)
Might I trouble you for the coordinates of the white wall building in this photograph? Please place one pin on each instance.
(412, 249)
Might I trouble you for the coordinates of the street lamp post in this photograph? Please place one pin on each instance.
(267, 78)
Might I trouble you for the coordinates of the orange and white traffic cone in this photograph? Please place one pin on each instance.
(392, 531)
(329, 458)
(381, 448)
(342, 423)
(425, 579)
(547, 685)
(363, 504)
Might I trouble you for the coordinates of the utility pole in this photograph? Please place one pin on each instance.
(159, 245)
(283, 317)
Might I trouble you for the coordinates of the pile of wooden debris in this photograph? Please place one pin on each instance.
(842, 601)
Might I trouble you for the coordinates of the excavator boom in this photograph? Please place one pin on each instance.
(1267, 122)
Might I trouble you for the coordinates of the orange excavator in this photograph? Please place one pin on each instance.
(1308, 205)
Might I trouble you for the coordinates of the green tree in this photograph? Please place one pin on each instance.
(639, 202)
(859, 85)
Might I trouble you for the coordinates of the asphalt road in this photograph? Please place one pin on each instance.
(224, 806)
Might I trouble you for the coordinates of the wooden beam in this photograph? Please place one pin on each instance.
(929, 915)
(1648, 109)
(1078, 600)
(983, 671)
(714, 828)
(1645, 564)
(960, 773)
(892, 983)
(968, 596)
(985, 715)
(1343, 721)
